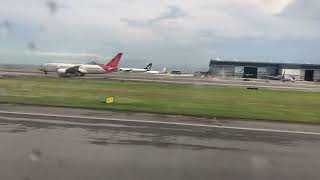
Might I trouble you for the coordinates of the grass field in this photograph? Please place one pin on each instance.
(196, 100)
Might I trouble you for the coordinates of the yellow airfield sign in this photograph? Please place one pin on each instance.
(109, 100)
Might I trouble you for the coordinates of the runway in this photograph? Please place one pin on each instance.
(140, 77)
(67, 143)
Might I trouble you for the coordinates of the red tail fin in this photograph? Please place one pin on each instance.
(113, 64)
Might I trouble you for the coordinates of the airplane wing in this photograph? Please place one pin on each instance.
(73, 70)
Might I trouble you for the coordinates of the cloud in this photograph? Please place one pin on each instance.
(173, 12)
(277, 6)
(38, 57)
(64, 54)
(232, 18)
(165, 31)
(301, 9)
(49, 54)
(169, 16)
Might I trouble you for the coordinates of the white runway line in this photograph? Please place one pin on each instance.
(166, 123)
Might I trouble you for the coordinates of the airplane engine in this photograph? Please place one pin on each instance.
(70, 71)
(62, 71)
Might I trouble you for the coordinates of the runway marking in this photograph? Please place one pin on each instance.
(164, 122)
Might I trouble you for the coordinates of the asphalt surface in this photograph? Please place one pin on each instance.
(141, 77)
(60, 143)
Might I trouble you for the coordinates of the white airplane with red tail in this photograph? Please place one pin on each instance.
(63, 69)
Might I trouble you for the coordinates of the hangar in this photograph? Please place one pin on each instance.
(262, 70)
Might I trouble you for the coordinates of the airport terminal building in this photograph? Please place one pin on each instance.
(262, 70)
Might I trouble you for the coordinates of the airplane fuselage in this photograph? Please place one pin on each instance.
(157, 72)
(132, 70)
(83, 68)
(63, 69)
(53, 67)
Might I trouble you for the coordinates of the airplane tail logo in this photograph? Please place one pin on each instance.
(113, 64)
(148, 68)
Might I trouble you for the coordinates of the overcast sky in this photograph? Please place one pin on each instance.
(165, 32)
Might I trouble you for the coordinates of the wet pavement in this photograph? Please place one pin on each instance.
(43, 147)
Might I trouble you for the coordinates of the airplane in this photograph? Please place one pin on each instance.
(284, 77)
(63, 69)
(148, 68)
(163, 71)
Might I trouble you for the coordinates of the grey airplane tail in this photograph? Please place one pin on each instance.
(148, 67)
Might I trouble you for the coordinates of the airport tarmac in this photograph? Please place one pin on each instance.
(140, 77)
(67, 143)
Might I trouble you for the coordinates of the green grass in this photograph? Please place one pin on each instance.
(195, 100)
